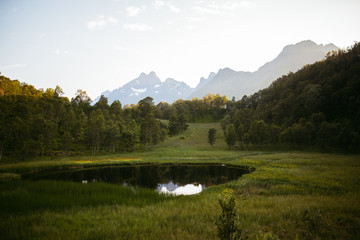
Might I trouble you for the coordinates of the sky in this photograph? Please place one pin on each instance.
(98, 45)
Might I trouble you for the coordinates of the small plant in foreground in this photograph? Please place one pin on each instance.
(227, 222)
(313, 222)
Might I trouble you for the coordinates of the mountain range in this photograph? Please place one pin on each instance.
(148, 85)
(226, 81)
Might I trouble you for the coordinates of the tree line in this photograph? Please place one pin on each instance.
(34, 122)
(37, 122)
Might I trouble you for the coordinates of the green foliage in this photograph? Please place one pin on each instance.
(212, 137)
(150, 132)
(227, 225)
(258, 132)
(177, 123)
(225, 122)
(211, 107)
(37, 123)
(230, 137)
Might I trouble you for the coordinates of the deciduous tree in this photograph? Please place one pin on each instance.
(212, 137)
(230, 137)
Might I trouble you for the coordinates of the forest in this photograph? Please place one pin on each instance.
(35, 122)
(318, 107)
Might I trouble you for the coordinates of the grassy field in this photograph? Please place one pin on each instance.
(294, 195)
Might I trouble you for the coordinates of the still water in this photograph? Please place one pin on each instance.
(177, 179)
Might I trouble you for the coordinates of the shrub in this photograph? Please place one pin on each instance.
(227, 223)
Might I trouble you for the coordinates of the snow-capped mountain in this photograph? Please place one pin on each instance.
(148, 85)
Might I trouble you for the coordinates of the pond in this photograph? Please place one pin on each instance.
(176, 179)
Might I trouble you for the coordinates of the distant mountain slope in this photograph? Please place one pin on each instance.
(226, 82)
(293, 57)
(204, 81)
(148, 85)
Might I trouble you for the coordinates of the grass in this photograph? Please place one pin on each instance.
(295, 195)
(24, 196)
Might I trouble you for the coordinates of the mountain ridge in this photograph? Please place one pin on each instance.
(147, 85)
(292, 58)
(226, 81)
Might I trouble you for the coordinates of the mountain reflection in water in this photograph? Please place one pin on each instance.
(174, 189)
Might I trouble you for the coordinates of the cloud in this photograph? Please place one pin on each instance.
(173, 8)
(159, 4)
(134, 11)
(112, 20)
(224, 8)
(100, 22)
(229, 6)
(197, 19)
(119, 48)
(97, 24)
(137, 27)
(57, 51)
(205, 11)
(190, 27)
(247, 4)
(13, 66)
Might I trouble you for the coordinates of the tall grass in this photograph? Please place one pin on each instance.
(25, 196)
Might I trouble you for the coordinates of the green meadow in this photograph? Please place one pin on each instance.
(293, 195)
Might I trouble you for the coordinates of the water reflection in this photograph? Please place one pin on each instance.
(174, 189)
(174, 179)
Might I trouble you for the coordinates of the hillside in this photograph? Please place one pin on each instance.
(331, 87)
(318, 105)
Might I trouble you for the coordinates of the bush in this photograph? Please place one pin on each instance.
(227, 223)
